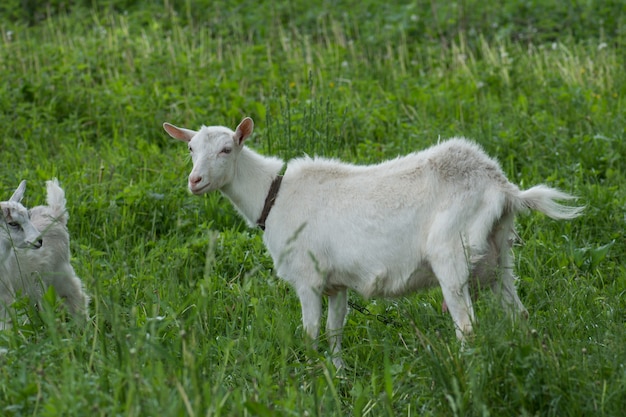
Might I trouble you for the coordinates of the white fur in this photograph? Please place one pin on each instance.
(443, 216)
(33, 271)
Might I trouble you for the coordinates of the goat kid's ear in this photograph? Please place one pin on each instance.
(19, 192)
(178, 132)
(243, 130)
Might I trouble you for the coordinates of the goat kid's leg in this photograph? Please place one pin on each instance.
(337, 308)
(5, 319)
(70, 288)
(6, 299)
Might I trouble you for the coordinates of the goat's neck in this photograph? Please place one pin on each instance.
(6, 248)
(253, 177)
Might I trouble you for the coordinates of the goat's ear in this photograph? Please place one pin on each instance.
(19, 192)
(178, 132)
(243, 130)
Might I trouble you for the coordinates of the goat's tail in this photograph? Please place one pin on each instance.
(542, 198)
(56, 201)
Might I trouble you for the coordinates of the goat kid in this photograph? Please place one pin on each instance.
(443, 216)
(34, 271)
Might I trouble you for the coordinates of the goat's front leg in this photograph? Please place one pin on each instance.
(337, 308)
(311, 304)
(6, 299)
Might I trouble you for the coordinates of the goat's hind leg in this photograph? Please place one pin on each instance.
(504, 285)
(452, 272)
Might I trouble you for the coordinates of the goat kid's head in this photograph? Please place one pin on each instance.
(214, 151)
(16, 229)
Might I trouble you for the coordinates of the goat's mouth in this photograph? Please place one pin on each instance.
(37, 244)
(200, 190)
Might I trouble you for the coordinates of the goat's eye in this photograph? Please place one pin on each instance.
(227, 150)
(14, 224)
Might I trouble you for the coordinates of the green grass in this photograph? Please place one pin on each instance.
(188, 317)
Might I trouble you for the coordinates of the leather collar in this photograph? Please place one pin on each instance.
(269, 201)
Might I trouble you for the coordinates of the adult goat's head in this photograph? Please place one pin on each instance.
(214, 151)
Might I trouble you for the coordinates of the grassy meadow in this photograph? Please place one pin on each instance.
(188, 318)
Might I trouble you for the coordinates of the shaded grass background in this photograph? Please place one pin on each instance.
(188, 316)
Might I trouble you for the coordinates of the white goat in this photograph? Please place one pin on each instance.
(34, 271)
(16, 232)
(441, 216)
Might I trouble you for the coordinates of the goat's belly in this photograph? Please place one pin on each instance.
(386, 284)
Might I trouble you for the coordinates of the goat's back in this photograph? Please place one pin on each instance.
(447, 173)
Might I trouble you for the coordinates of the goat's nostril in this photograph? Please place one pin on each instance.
(195, 180)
